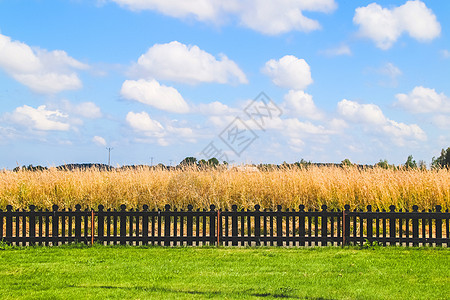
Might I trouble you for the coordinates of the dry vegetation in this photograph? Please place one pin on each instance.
(289, 187)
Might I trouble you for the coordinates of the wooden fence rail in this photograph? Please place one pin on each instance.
(223, 227)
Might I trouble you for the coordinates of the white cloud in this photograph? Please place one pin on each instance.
(99, 141)
(400, 131)
(85, 109)
(299, 103)
(215, 108)
(338, 51)
(42, 71)
(361, 113)
(268, 17)
(202, 10)
(40, 118)
(188, 64)
(373, 119)
(276, 17)
(289, 72)
(384, 26)
(143, 123)
(156, 132)
(152, 93)
(424, 100)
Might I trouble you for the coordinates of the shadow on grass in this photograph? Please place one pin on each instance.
(206, 293)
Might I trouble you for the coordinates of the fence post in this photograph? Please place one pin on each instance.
(145, 224)
(392, 228)
(257, 225)
(123, 225)
(324, 228)
(55, 223)
(167, 225)
(31, 224)
(279, 226)
(301, 224)
(101, 224)
(415, 225)
(234, 225)
(369, 224)
(189, 225)
(9, 224)
(345, 225)
(438, 225)
(212, 225)
(78, 223)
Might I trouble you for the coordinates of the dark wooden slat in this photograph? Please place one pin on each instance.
(212, 225)
(279, 219)
(189, 225)
(438, 225)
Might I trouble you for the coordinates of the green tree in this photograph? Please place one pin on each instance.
(213, 162)
(346, 163)
(188, 161)
(383, 164)
(442, 161)
(410, 163)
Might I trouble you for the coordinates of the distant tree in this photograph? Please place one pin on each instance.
(410, 163)
(30, 168)
(188, 161)
(213, 162)
(443, 161)
(303, 163)
(383, 164)
(346, 163)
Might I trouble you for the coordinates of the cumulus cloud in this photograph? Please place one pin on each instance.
(152, 93)
(289, 72)
(424, 100)
(43, 71)
(301, 104)
(178, 62)
(276, 17)
(40, 118)
(153, 130)
(143, 123)
(371, 116)
(99, 141)
(215, 108)
(268, 17)
(361, 113)
(384, 26)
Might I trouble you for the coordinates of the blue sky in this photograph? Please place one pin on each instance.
(161, 80)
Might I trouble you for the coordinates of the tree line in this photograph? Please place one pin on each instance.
(442, 161)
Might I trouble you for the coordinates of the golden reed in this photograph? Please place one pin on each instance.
(289, 187)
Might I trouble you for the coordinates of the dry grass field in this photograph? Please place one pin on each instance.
(288, 187)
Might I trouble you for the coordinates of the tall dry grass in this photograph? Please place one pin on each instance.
(288, 187)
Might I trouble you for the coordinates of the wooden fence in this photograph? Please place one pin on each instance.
(226, 228)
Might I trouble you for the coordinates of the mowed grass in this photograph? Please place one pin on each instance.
(186, 273)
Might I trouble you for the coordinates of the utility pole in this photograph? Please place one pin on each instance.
(151, 159)
(170, 162)
(109, 156)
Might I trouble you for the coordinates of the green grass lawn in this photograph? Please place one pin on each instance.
(171, 273)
